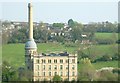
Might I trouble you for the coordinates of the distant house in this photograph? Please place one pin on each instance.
(85, 39)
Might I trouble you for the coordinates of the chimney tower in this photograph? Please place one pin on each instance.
(30, 21)
(30, 45)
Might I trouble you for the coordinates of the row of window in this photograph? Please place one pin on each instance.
(55, 61)
(55, 67)
(30, 51)
(41, 79)
(55, 73)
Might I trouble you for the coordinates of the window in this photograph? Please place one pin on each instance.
(61, 73)
(44, 61)
(73, 60)
(66, 61)
(37, 61)
(38, 73)
(49, 73)
(69, 61)
(73, 73)
(43, 73)
(61, 61)
(61, 67)
(55, 61)
(55, 73)
(67, 67)
(49, 61)
(55, 67)
(38, 67)
(43, 67)
(49, 67)
(73, 67)
(66, 73)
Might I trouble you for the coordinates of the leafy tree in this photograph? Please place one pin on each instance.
(115, 56)
(5, 38)
(57, 78)
(71, 23)
(116, 70)
(106, 76)
(118, 27)
(42, 33)
(106, 58)
(24, 74)
(19, 36)
(81, 55)
(6, 23)
(8, 72)
(87, 71)
(76, 32)
(59, 38)
(58, 25)
(91, 27)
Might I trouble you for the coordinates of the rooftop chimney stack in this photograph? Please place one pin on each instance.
(30, 19)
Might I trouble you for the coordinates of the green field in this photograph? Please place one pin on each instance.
(99, 65)
(107, 36)
(99, 50)
(14, 53)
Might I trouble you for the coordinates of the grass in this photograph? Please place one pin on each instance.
(51, 47)
(106, 35)
(99, 50)
(14, 53)
(99, 65)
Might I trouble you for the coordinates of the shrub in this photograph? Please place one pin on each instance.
(57, 78)
(115, 56)
(116, 70)
(104, 41)
(104, 58)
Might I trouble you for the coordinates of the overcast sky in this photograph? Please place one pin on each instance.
(84, 12)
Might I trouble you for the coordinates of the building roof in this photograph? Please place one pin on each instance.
(54, 54)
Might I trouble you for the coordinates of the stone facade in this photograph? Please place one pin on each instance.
(46, 67)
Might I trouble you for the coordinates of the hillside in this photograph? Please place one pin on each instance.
(14, 53)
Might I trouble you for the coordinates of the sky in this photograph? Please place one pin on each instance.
(52, 11)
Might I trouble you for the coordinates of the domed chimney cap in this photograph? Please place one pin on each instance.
(30, 45)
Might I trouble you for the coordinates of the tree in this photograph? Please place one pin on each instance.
(19, 36)
(106, 76)
(76, 32)
(86, 71)
(59, 39)
(91, 27)
(71, 23)
(24, 74)
(8, 72)
(81, 55)
(58, 25)
(57, 78)
(42, 33)
(5, 38)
